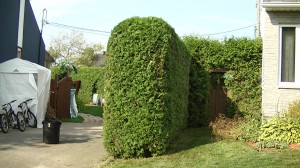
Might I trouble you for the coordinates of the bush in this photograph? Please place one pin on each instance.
(249, 129)
(293, 110)
(146, 88)
(245, 129)
(280, 130)
(225, 128)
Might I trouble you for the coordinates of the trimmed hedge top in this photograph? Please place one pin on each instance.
(146, 87)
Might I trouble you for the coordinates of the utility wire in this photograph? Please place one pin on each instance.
(229, 31)
(106, 33)
(93, 31)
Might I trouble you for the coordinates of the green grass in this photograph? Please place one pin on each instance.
(198, 148)
(93, 110)
(78, 119)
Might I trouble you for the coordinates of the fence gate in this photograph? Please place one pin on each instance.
(60, 97)
(218, 95)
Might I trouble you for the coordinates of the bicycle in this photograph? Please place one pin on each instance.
(30, 118)
(13, 120)
(4, 124)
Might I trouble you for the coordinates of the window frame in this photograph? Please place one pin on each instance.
(296, 84)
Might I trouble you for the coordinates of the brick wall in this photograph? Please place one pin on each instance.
(274, 99)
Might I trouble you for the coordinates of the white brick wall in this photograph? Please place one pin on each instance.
(275, 100)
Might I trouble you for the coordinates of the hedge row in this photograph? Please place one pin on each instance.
(242, 57)
(92, 81)
(146, 86)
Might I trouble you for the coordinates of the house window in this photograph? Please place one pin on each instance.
(289, 72)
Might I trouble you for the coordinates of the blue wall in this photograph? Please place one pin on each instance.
(33, 45)
(9, 21)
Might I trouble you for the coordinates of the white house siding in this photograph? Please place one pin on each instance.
(274, 99)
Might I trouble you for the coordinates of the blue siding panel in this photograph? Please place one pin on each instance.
(9, 20)
(33, 44)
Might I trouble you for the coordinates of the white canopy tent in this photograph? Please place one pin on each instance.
(21, 80)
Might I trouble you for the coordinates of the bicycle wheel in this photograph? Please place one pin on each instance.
(21, 121)
(4, 123)
(31, 119)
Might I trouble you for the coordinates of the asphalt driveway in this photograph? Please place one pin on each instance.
(80, 146)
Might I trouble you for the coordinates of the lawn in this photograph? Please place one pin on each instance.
(198, 148)
(93, 110)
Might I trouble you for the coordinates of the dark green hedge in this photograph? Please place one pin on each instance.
(92, 79)
(242, 58)
(244, 77)
(146, 86)
(206, 55)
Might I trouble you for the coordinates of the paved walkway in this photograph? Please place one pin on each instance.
(91, 119)
(80, 146)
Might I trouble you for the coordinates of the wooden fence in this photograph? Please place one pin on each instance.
(60, 95)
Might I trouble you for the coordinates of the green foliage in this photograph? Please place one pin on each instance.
(281, 130)
(197, 148)
(244, 77)
(294, 110)
(205, 56)
(78, 119)
(249, 129)
(92, 78)
(67, 66)
(242, 57)
(245, 129)
(80, 105)
(146, 88)
(91, 56)
(93, 110)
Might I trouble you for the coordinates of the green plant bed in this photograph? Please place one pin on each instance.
(78, 119)
(93, 110)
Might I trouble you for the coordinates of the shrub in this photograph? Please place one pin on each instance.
(146, 88)
(225, 128)
(249, 129)
(294, 110)
(245, 129)
(280, 130)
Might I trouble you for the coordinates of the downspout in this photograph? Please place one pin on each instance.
(44, 18)
(21, 28)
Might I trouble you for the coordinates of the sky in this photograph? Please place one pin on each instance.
(189, 17)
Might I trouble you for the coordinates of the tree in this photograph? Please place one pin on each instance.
(92, 56)
(73, 48)
(67, 45)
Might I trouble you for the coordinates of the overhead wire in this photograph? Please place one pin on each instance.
(229, 31)
(87, 30)
(107, 33)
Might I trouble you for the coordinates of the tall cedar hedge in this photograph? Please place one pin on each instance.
(146, 88)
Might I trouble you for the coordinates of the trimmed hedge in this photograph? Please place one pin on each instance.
(205, 57)
(146, 82)
(243, 58)
(90, 77)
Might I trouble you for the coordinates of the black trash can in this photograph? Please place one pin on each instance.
(51, 131)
